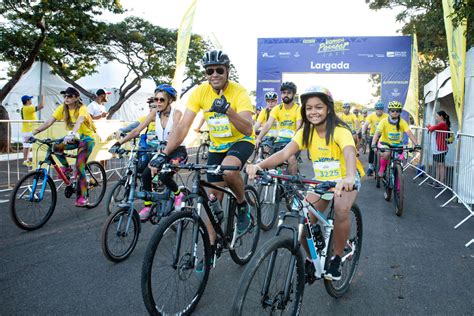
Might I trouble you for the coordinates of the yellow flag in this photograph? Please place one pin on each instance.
(182, 45)
(411, 103)
(457, 56)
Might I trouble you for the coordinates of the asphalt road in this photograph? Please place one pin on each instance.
(416, 264)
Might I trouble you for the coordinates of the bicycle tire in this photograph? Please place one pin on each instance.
(185, 222)
(118, 194)
(349, 266)
(388, 189)
(398, 193)
(120, 236)
(248, 241)
(97, 182)
(268, 209)
(16, 207)
(376, 170)
(248, 299)
(202, 153)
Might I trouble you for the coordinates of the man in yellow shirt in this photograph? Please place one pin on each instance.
(350, 119)
(228, 112)
(28, 113)
(288, 117)
(373, 121)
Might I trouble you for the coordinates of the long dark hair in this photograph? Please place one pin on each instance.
(445, 117)
(332, 120)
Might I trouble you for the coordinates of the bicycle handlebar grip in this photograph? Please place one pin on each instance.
(236, 168)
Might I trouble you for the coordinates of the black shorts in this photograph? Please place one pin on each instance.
(242, 150)
(439, 157)
(179, 155)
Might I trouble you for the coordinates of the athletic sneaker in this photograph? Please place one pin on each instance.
(145, 213)
(370, 172)
(27, 163)
(243, 218)
(81, 202)
(334, 271)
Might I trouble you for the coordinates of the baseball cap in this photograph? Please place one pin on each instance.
(26, 98)
(102, 91)
(71, 91)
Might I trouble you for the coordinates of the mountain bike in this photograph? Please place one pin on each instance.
(178, 257)
(274, 280)
(34, 197)
(203, 150)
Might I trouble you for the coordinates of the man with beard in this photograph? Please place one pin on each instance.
(288, 117)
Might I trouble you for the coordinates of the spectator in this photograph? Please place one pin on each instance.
(440, 147)
(96, 108)
(28, 113)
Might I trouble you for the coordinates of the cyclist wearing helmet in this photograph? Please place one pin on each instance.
(271, 99)
(373, 121)
(166, 119)
(288, 117)
(391, 132)
(333, 154)
(350, 119)
(228, 112)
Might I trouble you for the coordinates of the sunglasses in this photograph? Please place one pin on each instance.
(395, 111)
(159, 100)
(210, 71)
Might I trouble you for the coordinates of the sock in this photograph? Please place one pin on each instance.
(383, 165)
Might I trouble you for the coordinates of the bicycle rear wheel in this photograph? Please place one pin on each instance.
(246, 243)
(398, 194)
(269, 205)
(171, 281)
(350, 256)
(202, 153)
(96, 183)
(120, 234)
(273, 282)
(27, 211)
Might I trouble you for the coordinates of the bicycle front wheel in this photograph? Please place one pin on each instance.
(120, 234)
(269, 204)
(398, 194)
(245, 244)
(33, 200)
(176, 265)
(202, 153)
(117, 195)
(273, 282)
(350, 256)
(96, 183)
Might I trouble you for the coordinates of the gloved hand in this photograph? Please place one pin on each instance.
(159, 160)
(30, 140)
(70, 137)
(220, 105)
(417, 147)
(115, 148)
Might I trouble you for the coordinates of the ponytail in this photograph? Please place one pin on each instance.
(445, 116)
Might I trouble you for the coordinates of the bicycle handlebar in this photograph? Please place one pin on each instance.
(215, 169)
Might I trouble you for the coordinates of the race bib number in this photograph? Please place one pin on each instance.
(220, 127)
(286, 133)
(327, 170)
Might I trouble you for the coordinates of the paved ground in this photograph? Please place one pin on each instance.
(416, 264)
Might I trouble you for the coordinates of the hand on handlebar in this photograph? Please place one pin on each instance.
(115, 148)
(346, 184)
(30, 140)
(71, 137)
(252, 170)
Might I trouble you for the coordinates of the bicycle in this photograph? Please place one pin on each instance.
(203, 150)
(34, 197)
(122, 228)
(393, 176)
(268, 287)
(178, 257)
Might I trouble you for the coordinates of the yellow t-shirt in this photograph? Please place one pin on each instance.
(350, 119)
(286, 120)
(222, 132)
(390, 134)
(374, 121)
(28, 112)
(151, 126)
(328, 160)
(263, 118)
(87, 127)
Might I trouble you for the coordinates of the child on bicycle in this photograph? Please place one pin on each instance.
(81, 136)
(332, 150)
(271, 100)
(166, 119)
(391, 131)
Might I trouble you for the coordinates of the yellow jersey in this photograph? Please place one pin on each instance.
(28, 113)
(87, 127)
(328, 160)
(389, 133)
(374, 121)
(263, 118)
(350, 119)
(151, 126)
(286, 120)
(222, 132)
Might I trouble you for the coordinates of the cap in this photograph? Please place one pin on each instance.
(25, 98)
(71, 91)
(102, 91)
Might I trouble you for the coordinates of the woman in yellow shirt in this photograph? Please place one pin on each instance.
(81, 136)
(333, 153)
(391, 131)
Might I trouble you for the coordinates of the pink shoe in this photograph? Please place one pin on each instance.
(81, 202)
(177, 201)
(145, 213)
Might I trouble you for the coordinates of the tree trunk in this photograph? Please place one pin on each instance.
(5, 131)
(124, 95)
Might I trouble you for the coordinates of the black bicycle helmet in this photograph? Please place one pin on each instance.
(288, 85)
(215, 57)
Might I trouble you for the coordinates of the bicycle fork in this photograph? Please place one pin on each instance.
(43, 187)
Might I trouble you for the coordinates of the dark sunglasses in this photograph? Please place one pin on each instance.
(394, 110)
(210, 71)
(159, 99)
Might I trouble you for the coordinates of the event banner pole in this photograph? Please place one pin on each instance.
(411, 103)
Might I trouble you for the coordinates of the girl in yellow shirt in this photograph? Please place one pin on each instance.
(333, 152)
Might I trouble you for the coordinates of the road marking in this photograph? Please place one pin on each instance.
(4, 201)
